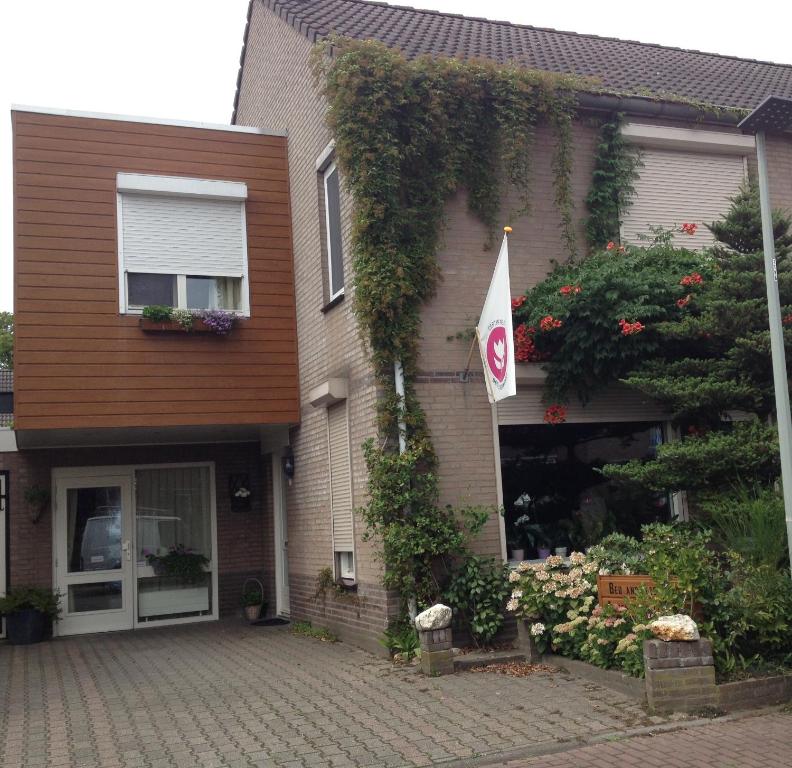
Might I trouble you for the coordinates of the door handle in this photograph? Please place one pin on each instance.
(125, 547)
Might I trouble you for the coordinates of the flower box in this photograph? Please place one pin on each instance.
(171, 326)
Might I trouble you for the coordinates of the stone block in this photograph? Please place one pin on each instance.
(436, 639)
(434, 663)
(526, 643)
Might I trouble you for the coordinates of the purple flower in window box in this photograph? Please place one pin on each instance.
(220, 321)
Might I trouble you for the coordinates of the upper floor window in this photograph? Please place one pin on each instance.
(181, 243)
(332, 233)
(686, 175)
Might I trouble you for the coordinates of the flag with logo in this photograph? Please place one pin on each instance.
(494, 331)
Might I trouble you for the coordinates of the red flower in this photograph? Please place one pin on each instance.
(610, 246)
(566, 290)
(524, 348)
(684, 301)
(555, 414)
(629, 329)
(689, 228)
(518, 302)
(548, 322)
(694, 278)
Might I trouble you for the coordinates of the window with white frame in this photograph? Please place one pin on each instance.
(341, 505)
(686, 176)
(182, 243)
(332, 231)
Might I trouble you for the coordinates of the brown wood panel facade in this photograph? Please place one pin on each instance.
(79, 362)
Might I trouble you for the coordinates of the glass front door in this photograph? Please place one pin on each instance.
(93, 553)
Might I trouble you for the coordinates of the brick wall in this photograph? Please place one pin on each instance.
(680, 676)
(277, 90)
(245, 540)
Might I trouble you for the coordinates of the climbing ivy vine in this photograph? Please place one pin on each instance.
(616, 166)
(408, 134)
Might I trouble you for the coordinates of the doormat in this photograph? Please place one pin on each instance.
(274, 622)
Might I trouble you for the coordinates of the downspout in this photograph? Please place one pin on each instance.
(398, 381)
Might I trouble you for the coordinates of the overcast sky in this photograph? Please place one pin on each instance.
(178, 58)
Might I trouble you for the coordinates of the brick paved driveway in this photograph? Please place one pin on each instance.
(231, 695)
(753, 742)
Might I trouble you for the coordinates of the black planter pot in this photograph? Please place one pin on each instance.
(27, 626)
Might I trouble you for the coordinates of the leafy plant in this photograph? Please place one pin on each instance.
(306, 629)
(401, 638)
(184, 317)
(157, 313)
(616, 166)
(420, 539)
(6, 340)
(180, 562)
(219, 320)
(607, 626)
(40, 599)
(617, 553)
(252, 597)
(477, 592)
(593, 322)
(751, 522)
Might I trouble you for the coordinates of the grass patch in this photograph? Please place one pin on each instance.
(306, 629)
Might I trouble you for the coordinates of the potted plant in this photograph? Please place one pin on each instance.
(181, 562)
(533, 535)
(253, 599)
(29, 613)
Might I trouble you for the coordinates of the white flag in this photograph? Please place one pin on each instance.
(494, 331)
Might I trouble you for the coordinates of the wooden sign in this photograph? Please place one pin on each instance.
(616, 590)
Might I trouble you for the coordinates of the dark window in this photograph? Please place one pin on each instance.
(145, 290)
(553, 494)
(6, 402)
(333, 232)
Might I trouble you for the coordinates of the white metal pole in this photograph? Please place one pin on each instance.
(398, 381)
(398, 377)
(780, 381)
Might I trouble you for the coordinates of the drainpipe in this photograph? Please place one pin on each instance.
(398, 380)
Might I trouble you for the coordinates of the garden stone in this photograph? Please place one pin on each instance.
(677, 627)
(436, 617)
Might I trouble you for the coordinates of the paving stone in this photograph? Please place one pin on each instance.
(225, 694)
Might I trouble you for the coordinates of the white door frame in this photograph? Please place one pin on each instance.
(103, 620)
(281, 543)
(128, 470)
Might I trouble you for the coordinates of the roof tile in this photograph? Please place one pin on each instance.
(620, 65)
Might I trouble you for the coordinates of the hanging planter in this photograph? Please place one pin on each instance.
(159, 319)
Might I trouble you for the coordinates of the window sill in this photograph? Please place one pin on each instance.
(332, 303)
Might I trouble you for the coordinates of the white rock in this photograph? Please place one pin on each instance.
(678, 627)
(436, 617)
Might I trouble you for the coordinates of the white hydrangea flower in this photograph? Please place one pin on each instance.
(537, 629)
(577, 558)
(517, 594)
(514, 576)
(512, 605)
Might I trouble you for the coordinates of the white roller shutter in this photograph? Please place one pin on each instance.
(340, 478)
(676, 187)
(616, 403)
(182, 235)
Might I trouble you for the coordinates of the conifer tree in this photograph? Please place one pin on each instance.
(714, 370)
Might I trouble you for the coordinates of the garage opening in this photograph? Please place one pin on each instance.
(553, 494)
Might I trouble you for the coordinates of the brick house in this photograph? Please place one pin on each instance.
(132, 437)
(691, 165)
(173, 424)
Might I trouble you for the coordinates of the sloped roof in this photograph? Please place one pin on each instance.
(619, 65)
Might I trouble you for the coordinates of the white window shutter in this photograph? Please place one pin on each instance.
(182, 235)
(340, 478)
(677, 187)
(617, 403)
